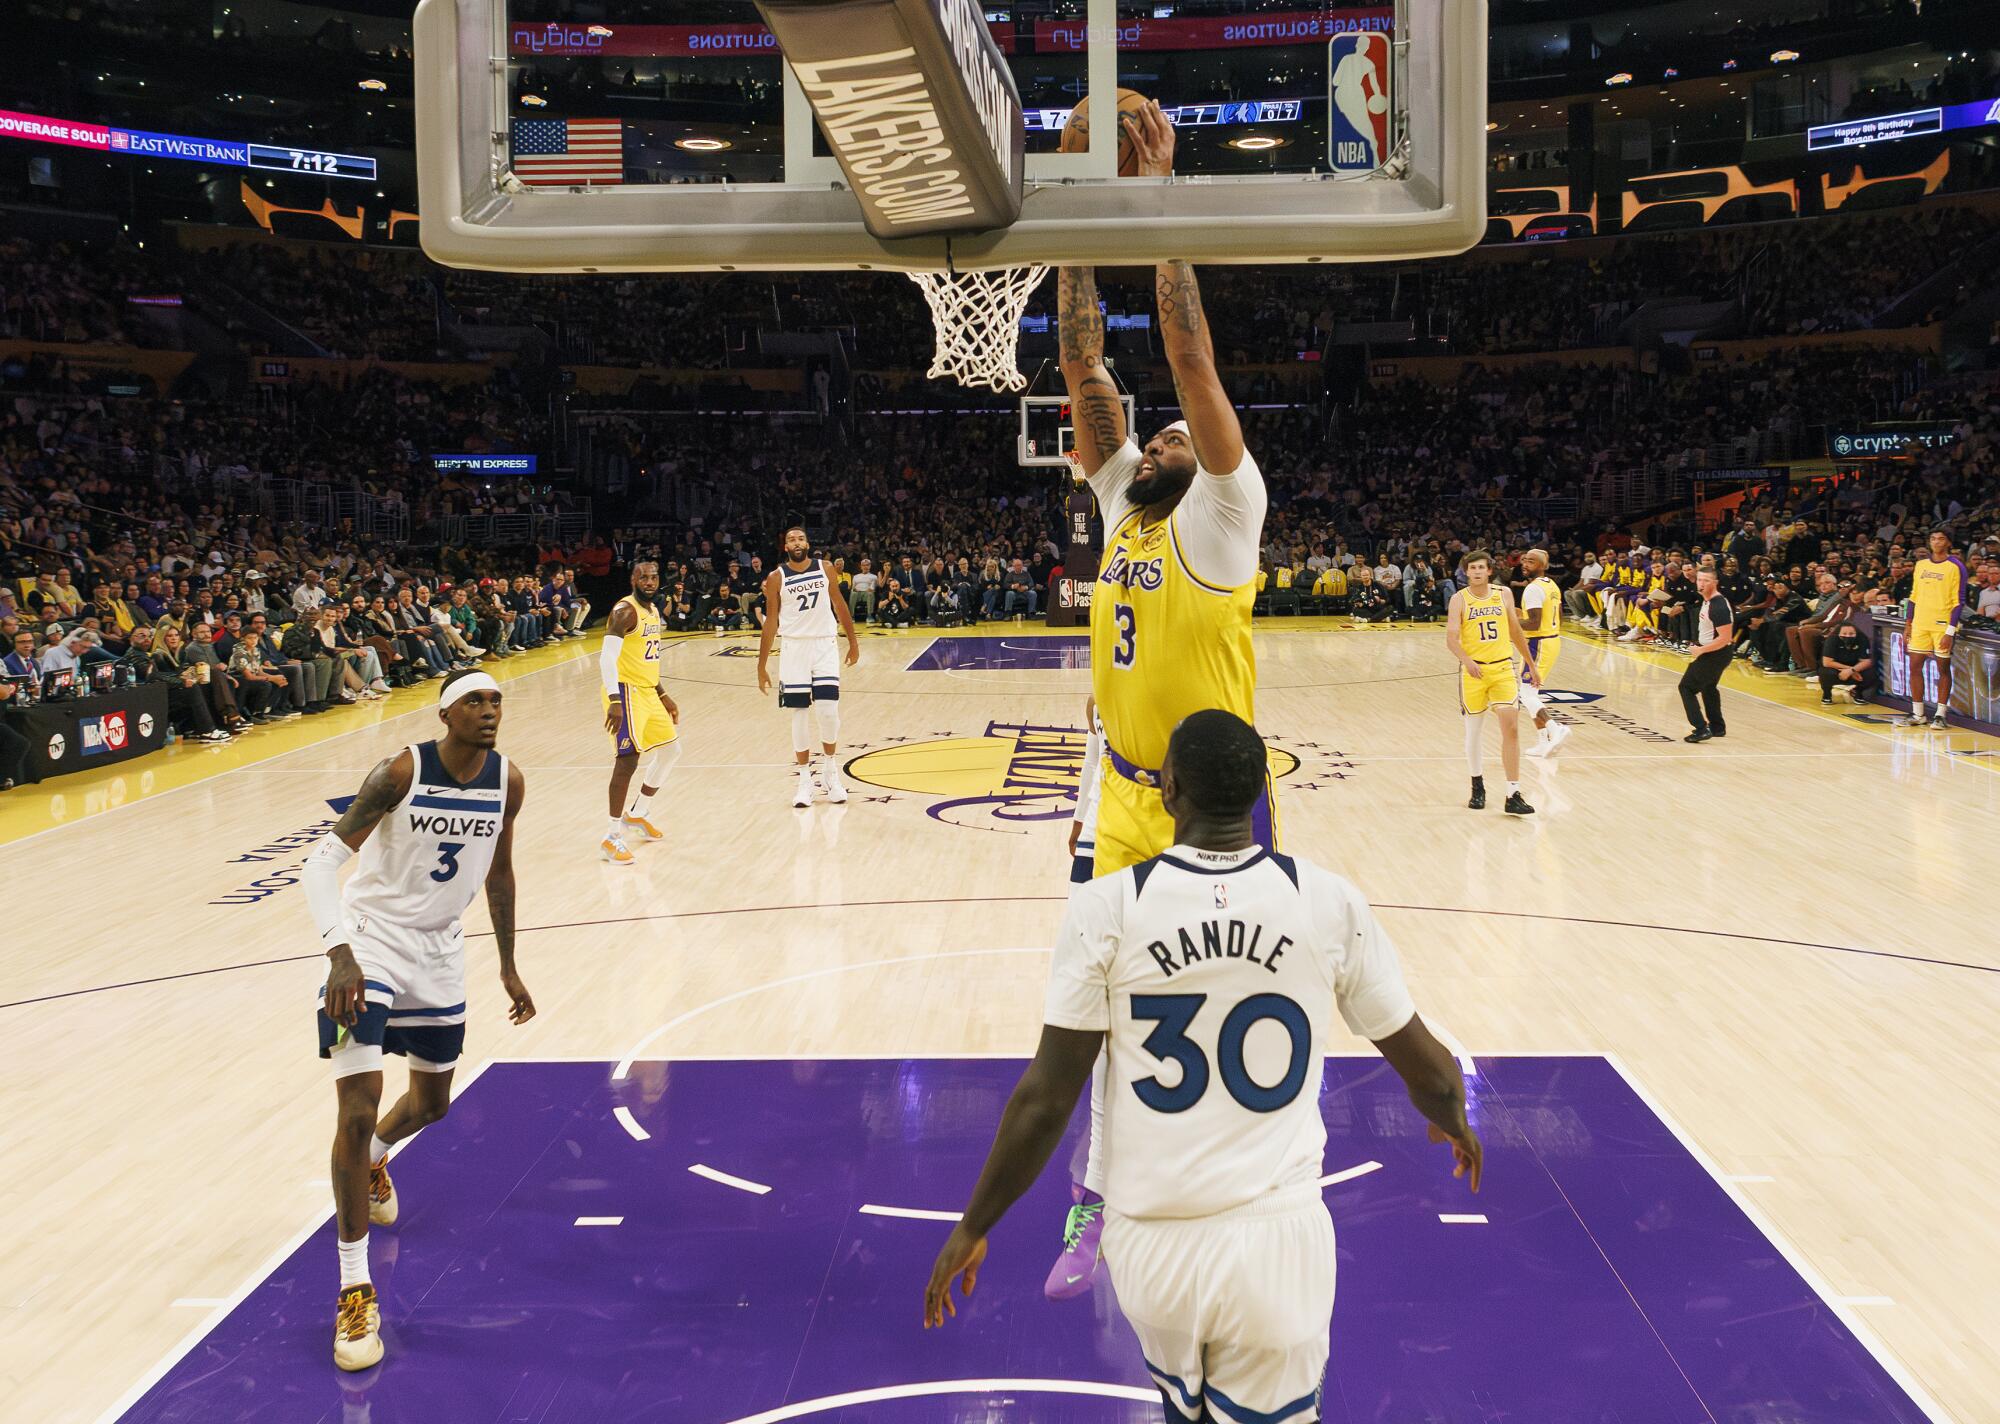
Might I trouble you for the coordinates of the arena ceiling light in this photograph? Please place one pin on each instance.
(702, 145)
(1256, 143)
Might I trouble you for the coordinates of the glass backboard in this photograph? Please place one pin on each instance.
(649, 135)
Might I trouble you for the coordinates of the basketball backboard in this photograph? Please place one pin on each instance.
(638, 135)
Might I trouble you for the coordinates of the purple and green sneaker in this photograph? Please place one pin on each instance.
(1076, 1268)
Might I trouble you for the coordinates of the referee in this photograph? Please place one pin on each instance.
(1700, 693)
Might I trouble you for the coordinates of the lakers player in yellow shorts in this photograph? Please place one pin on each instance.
(1541, 622)
(1937, 601)
(1170, 611)
(638, 713)
(1484, 636)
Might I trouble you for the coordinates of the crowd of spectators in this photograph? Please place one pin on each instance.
(1785, 278)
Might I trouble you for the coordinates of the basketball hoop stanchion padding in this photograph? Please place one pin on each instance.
(1070, 608)
(977, 317)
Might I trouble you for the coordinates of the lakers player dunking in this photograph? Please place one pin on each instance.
(1484, 635)
(641, 718)
(1213, 971)
(432, 824)
(802, 600)
(1170, 612)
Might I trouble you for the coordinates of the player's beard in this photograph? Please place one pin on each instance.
(1166, 484)
(648, 599)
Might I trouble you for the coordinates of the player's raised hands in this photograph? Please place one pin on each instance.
(1152, 136)
(962, 1256)
(1468, 1156)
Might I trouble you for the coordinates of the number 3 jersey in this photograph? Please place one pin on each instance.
(426, 859)
(1170, 612)
(1215, 976)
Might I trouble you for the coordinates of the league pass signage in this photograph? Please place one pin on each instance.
(917, 104)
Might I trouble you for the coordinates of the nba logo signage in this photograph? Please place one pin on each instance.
(1360, 101)
(103, 734)
(1073, 593)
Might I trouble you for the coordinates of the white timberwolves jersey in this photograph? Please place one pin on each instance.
(1215, 975)
(808, 603)
(424, 861)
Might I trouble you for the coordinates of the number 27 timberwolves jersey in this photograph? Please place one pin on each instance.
(1215, 975)
(425, 860)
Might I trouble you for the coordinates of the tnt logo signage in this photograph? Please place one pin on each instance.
(145, 725)
(1360, 94)
(58, 747)
(103, 734)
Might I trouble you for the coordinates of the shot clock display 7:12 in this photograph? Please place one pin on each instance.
(312, 160)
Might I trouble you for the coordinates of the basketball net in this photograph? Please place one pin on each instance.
(977, 316)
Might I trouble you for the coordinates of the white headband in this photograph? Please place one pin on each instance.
(466, 686)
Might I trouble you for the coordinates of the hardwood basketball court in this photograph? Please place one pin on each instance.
(1779, 940)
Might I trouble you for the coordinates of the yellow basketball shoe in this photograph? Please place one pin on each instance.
(357, 1329)
(646, 830)
(612, 848)
(381, 1195)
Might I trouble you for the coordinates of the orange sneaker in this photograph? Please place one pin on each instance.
(646, 829)
(357, 1329)
(381, 1195)
(612, 848)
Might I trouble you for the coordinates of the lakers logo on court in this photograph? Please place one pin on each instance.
(1011, 778)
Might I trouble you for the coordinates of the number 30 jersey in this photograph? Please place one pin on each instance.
(1215, 976)
(426, 859)
(1170, 613)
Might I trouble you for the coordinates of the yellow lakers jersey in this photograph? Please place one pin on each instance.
(1546, 621)
(1483, 630)
(639, 654)
(1164, 643)
(1936, 589)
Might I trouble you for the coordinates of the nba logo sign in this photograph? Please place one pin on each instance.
(103, 734)
(1360, 95)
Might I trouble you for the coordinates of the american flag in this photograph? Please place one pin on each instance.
(560, 152)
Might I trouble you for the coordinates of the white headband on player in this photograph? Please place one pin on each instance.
(466, 686)
(1182, 426)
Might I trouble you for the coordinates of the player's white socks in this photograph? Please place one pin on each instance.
(1513, 788)
(354, 1263)
(377, 1149)
(616, 830)
(1475, 742)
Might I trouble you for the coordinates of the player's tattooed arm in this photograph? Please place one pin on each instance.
(1098, 412)
(385, 786)
(500, 900)
(1079, 318)
(1211, 418)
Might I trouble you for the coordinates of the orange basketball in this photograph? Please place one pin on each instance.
(1076, 133)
